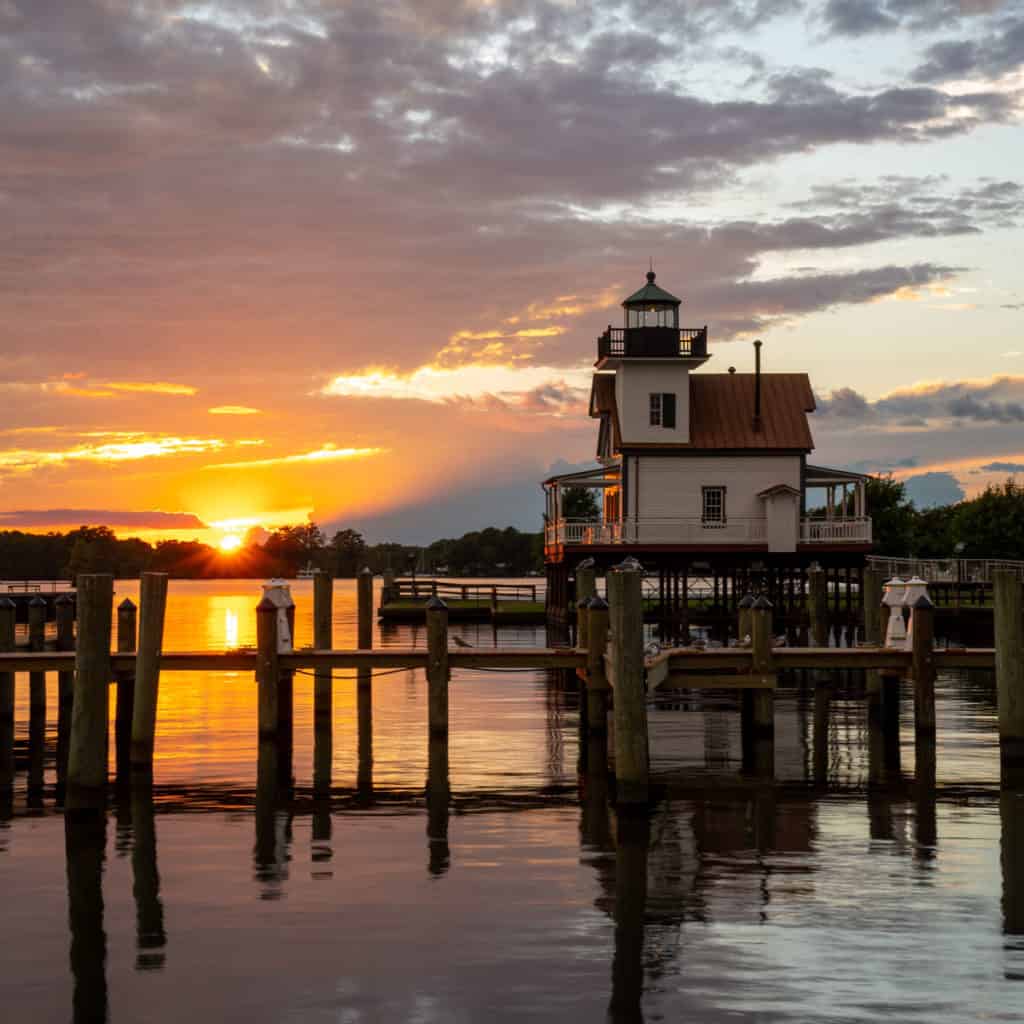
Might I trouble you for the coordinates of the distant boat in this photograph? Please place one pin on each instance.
(306, 574)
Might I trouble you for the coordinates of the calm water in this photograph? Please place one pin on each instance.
(853, 888)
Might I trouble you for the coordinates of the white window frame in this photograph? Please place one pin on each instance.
(654, 408)
(712, 522)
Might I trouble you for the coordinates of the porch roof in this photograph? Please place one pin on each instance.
(597, 476)
(818, 476)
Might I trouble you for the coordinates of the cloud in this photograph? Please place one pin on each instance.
(864, 17)
(998, 400)
(111, 388)
(328, 453)
(22, 460)
(998, 53)
(115, 518)
(151, 387)
(233, 410)
(1002, 467)
(928, 490)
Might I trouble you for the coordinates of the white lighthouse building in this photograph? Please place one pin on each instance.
(695, 465)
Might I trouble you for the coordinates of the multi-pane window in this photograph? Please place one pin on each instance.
(663, 409)
(713, 506)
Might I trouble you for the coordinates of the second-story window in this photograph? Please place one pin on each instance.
(663, 409)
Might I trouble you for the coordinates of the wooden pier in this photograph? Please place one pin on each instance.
(609, 661)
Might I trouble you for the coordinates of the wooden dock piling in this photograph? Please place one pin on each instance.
(923, 664)
(267, 670)
(1009, 628)
(746, 602)
(152, 609)
(364, 682)
(873, 627)
(127, 630)
(64, 611)
(762, 667)
(625, 593)
(36, 696)
(323, 686)
(598, 689)
(437, 667)
(817, 606)
(87, 754)
(7, 614)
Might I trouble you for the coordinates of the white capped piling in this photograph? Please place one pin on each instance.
(437, 667)
(632, 765)
(152, 611)
(922, 636)
(87, 753)
(127, 629)
(598, 689)
(7, 614)
(895, 629)
(1008, 591)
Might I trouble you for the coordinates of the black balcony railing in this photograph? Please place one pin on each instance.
(653, 342)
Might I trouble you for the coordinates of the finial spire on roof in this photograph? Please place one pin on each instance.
(650, 273)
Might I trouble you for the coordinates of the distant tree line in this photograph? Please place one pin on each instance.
(990, 525)
(283, 553)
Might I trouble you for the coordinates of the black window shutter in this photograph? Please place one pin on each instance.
(668, 410)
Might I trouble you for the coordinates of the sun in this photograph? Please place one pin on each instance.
(230, 542)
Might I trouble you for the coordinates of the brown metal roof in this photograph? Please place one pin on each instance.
(722, 411)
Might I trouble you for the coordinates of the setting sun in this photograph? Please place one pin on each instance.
(230, 542)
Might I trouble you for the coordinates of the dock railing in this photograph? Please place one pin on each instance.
(450, 590)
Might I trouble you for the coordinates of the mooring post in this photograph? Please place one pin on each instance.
(323, 690)
(597, 680)
(87, 754)
(1008, 591)
(437, 667)
(267, 671)
(64, 608)
(923, 664)
(817, 606)
(582, 623)
(387, 592)
(762, 667)
(7, 613)
(323, 640)
(364, 681)
(36, 696)
(743, 633)
(632, 764)
(873, 632)
(152, 611)
(127, 623)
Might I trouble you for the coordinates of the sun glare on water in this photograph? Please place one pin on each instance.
(230, 542)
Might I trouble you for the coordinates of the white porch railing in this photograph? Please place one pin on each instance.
(694, 530)
(853, 530)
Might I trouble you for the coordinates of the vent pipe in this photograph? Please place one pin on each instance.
(757, 384)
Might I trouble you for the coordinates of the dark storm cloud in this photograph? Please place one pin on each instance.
(998, 52)
(996, 400)
(863, 17)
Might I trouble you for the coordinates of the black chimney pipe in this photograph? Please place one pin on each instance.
(757, 385)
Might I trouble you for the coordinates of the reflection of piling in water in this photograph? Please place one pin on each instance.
(438, 800)
(150, 937)
(270, 853)
(1011, 816)
(881, 775)
(822, 714)
(925, 818)
(632, 845)
(85, 847)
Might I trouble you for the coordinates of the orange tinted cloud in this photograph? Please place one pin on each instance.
(22, 460)
(327, 453)
(233, 410)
